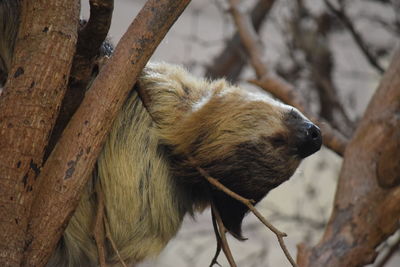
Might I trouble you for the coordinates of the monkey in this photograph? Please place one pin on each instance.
(147, 173)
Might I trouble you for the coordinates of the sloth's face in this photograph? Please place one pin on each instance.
(250, 143)
(278, 138)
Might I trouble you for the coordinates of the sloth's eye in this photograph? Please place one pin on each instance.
(278, 141)
(294, 114)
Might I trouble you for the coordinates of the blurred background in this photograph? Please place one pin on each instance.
(333, 54)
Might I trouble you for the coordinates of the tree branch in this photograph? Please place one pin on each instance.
(217, 238)
(71, 162)
(222, 241)
(230, 62)
(279, 88)
(250, 39)
(367, 202)
(392, 250)
(96, 29)
(113, 245)
(249, 204)
(28, 107)
(90, 40)
(313, 42)
(341, 14)
(98, 227)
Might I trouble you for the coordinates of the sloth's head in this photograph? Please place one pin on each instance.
(248, 141)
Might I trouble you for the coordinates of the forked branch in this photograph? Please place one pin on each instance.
(222, 242)
(341, 14)
(275, 85)
(249, 204)
(96, 29)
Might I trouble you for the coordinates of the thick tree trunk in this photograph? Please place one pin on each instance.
(28, 108)
(71, 162)
(367, 203)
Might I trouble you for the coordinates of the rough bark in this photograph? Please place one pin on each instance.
(28, 108)
(367, 202)
(70, 164)
(88, 52)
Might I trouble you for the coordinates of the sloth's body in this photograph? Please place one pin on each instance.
(143, 205)
(248, 141)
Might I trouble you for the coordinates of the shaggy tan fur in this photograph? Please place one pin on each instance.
(140, 194)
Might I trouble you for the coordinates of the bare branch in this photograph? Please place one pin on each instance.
(114, 246)
(90, 40)
(313, 42)
(341, 14)
(392, 250)
(250, 40)
(230, 62)
(218, 239)
(279, 88)
(69, 166)
(249, 204)
(222, 235)
(98, 228)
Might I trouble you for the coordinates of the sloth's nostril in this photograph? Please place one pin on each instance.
(314, 132)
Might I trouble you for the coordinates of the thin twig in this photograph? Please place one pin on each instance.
(318, 59)
(249, 204)
(341, 14)
(98, 229)
(393, 249)
(113, 245)
(231, 61)
(249, 38)
(222, 234)
(218, 238)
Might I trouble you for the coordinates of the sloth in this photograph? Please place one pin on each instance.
(147, 172)
(248, 141)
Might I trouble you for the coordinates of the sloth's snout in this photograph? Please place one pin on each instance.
(310, 139)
